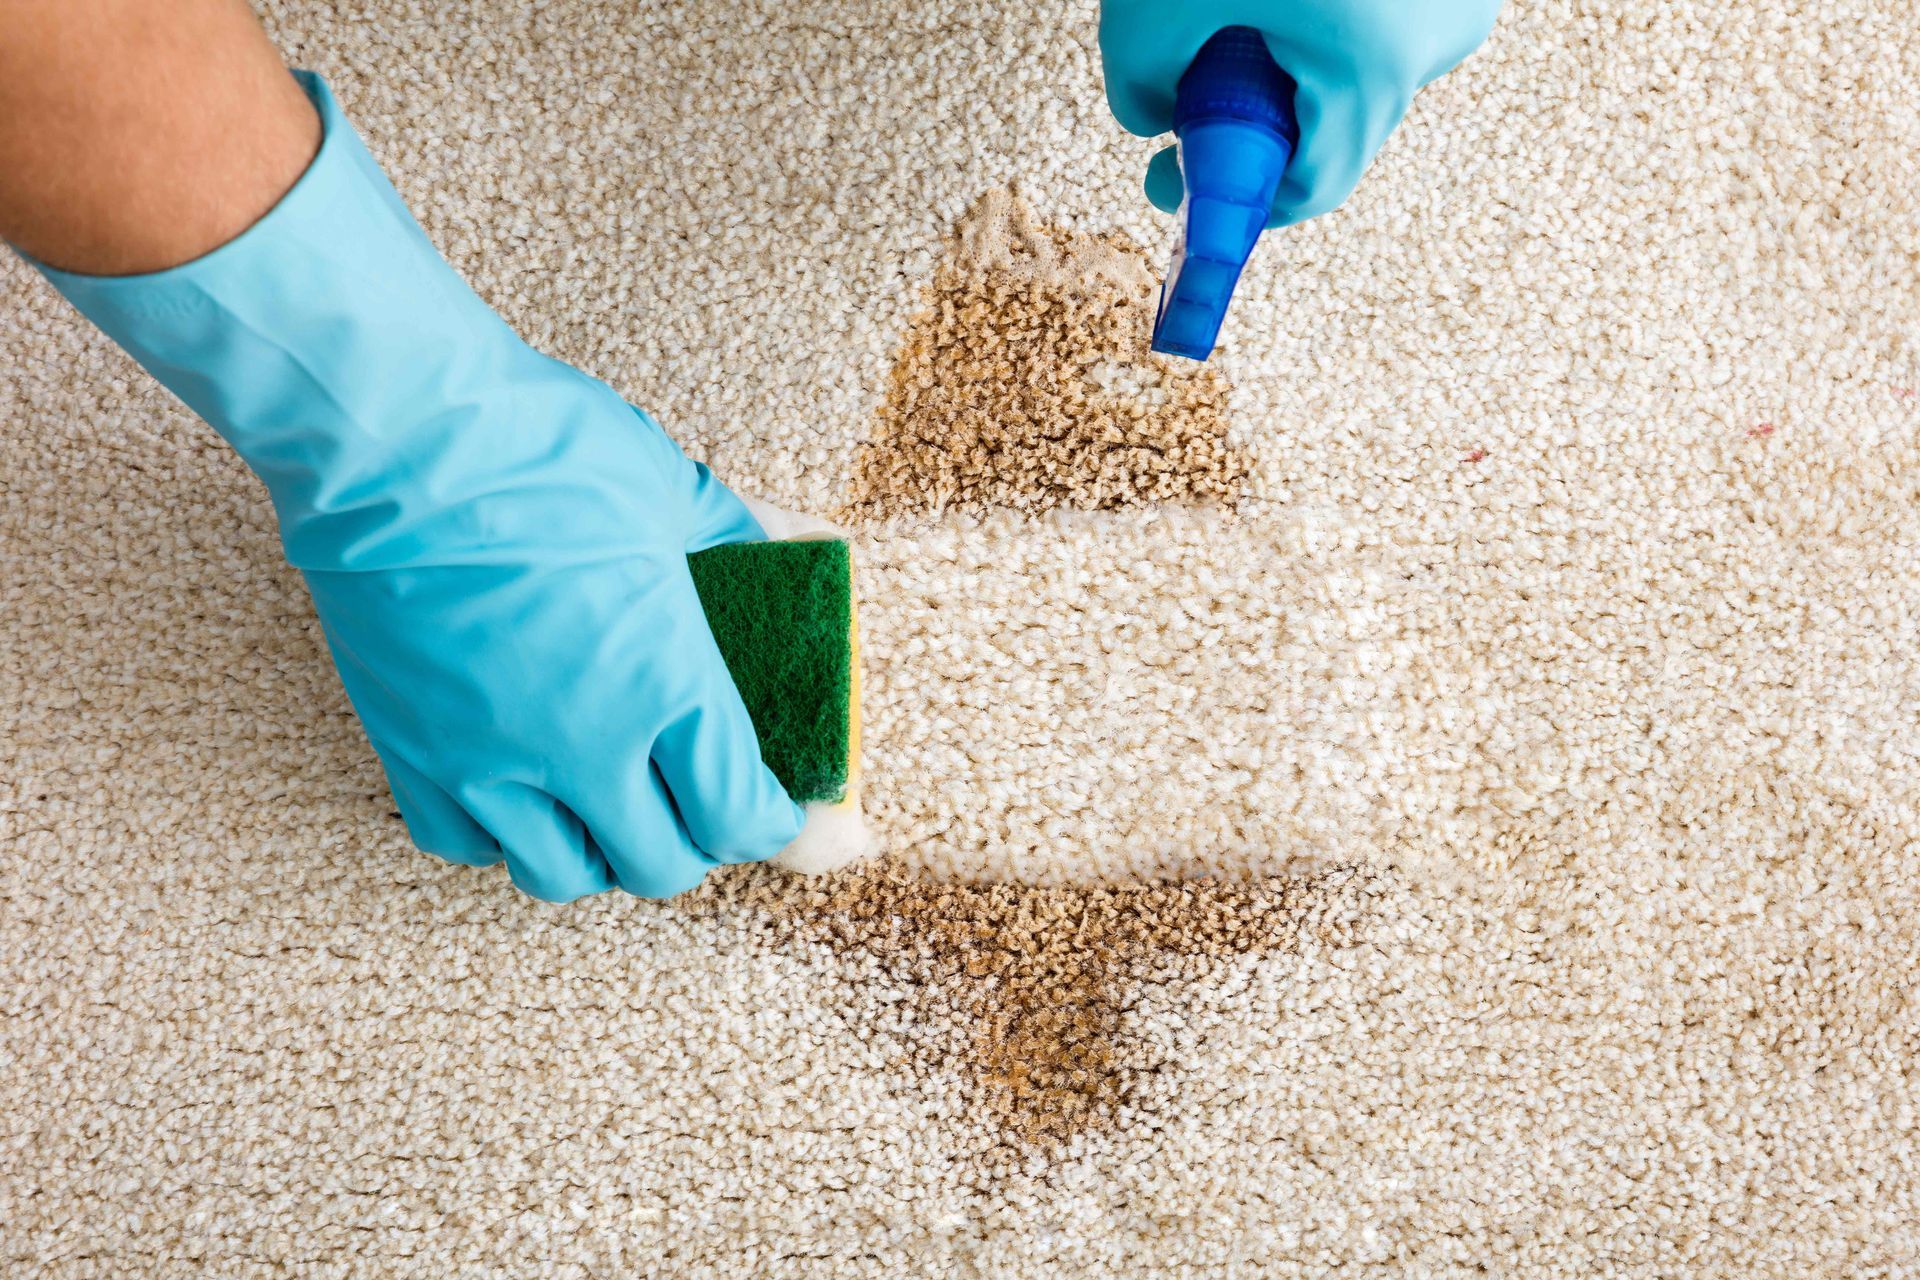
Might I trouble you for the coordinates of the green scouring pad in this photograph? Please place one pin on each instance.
(783, 615)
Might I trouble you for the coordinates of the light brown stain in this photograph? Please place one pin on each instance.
(1026, 382)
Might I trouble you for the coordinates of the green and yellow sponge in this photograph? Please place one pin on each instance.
(783, 615)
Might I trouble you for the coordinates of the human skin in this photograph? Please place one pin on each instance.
(136, 136)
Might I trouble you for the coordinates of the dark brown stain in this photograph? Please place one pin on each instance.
(1021, 994)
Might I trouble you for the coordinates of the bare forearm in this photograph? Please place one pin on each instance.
(135, 136)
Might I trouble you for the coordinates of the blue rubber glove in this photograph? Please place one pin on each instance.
(496, 543)
(1356, 65)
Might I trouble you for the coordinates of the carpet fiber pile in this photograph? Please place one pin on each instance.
(1434, 791)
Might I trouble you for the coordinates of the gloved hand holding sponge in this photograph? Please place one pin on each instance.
(496, 543)
(497, 546)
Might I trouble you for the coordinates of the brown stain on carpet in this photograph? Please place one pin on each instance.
(1025, 997)
(1026, 382)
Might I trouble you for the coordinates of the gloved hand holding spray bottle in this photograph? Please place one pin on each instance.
(1278, 107)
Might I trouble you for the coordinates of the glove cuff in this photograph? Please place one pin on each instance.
(329, 343)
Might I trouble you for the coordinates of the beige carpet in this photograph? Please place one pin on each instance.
(1436, 792)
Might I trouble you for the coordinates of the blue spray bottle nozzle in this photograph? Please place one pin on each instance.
(1233, 115)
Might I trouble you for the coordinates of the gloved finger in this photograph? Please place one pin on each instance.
(1143, 76)
(1165, 187)
(716, 514)
(732, 805)
(709, 754)
(435, 820)
(548, 853)
(1341, 126)
(634, 823)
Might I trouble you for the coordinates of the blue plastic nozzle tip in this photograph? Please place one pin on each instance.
(1233, 115)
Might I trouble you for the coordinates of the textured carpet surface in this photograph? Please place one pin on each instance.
(1435, 793)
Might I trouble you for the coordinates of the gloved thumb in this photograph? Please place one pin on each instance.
(1165, 187)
